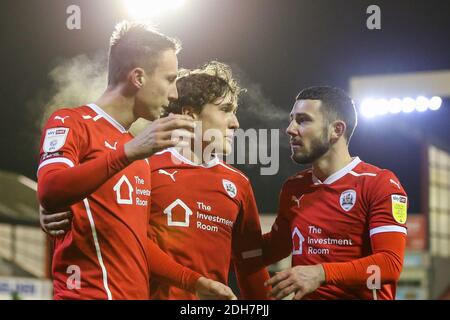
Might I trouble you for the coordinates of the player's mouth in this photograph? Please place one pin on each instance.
(296, 144)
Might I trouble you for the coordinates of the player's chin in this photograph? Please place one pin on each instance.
(298, 157)
(164, 111)
(155, 113)
(227, 147)
(222, 149)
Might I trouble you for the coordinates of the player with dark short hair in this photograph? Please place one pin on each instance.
(343, 220)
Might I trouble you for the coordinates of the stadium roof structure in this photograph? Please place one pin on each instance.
(18, 199)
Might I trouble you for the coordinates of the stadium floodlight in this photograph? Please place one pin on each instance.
(395, 105)
(368, 107)
(435, 103)
(383, 107)
(377, 107)
(422, 104)
(409, 105)
(146, 9)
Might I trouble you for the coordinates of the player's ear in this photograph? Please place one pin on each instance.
(338, 128)
(189, 111)
(136, 78)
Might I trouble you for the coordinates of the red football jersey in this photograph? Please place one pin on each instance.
(204, 217)
(106, 248)
(333, 220)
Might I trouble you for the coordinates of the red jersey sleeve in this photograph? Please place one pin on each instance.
(388, 252)
(247, 251)
(277, 244)
(62, 140)
(167, 270)
(387, 204)
(63, 179)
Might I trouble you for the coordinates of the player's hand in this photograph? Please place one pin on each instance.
(300, 280)
(171, 131)
(207, 289)
(55, 224)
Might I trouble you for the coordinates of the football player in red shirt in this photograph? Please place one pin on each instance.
(343, 220)
(90, 164)
(203, 211)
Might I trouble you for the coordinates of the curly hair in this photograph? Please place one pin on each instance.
(205, 85)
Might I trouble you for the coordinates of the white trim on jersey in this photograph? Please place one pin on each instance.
(56, 160)
(338, 174)
(213, 162)
(97, 249)
(252, 254)
(162, 152)
(387, 229)
(234, 170)
(353, 173)
(108, 118)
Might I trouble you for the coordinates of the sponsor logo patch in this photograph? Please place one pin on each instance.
(55, 139)
(399, 208)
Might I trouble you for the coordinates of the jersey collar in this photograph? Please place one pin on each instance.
(213, 162)
(338, 174)
(107, 117)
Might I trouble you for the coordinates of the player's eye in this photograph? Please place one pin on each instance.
(227, 109)
(301, 120)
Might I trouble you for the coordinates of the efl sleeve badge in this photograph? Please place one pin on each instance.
(399, 208)
(55, 139)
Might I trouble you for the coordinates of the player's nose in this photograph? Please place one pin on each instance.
(173, 92)
(234, 123)
(292, 129)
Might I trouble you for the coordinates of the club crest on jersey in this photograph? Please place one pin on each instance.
(348, 199)
(229, 187)
(55, 139)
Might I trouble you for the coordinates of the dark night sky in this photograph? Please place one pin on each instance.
(283, 46)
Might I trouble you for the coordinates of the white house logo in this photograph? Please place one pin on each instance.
(348, 199)
(169, 212)
(124, 183)
(229, 187)
(297, 242)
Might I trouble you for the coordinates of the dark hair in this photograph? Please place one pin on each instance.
(204, 85)
(336, 105)
(136, 44)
